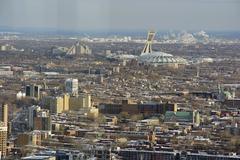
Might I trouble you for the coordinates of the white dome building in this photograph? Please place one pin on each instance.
(161, 58)
(158, 58)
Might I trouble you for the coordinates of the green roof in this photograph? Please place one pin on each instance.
(178, 116)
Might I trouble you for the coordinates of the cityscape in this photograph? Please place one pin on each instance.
(146, 94)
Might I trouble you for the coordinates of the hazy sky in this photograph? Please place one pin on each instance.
(122, 14)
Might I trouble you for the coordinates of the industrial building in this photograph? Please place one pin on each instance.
(131, 108)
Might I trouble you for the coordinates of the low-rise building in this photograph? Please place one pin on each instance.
(185, 117)
(130, 108)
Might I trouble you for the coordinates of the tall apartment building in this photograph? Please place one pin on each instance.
(3, 140)
(42, 121)
(66, 98)
(81, 101)
(71, 86)
(88, 101)
(66, 102)
(33, 91)
(4, 114)
(78, 49)
(32, 112)
(56, 104)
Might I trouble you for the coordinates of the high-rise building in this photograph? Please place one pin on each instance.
(75, 103)
(42, 121)
(56, 105)
(79, 48)
(33, 91)
(4, 114)
(88, 100)
(66, 102)
(100, 79)
(71, 86)
(28, 90)
(32, 113)
(39, 119)
(81, 101)
(3, 140)
(37, 91)
(116, 69)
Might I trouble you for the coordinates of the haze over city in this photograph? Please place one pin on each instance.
(113, 15)
(120, 79)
